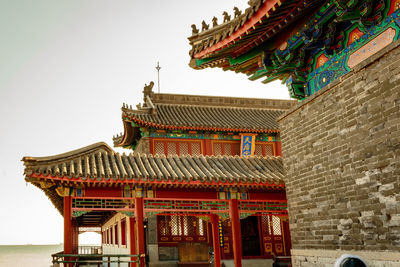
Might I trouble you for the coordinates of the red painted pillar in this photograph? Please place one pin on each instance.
(76, 237)
(132, 239)
(140, 229)
(236, 234)
(217, 249)
(68, 228)
(207, 147)
(278, 149)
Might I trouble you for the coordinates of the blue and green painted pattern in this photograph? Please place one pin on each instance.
(205, 135)
(337, 65)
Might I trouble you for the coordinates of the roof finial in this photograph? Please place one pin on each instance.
(158, 68)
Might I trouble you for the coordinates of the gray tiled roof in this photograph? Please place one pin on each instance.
(98, 163)
(206, 117)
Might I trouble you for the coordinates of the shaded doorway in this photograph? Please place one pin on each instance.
(250, 236)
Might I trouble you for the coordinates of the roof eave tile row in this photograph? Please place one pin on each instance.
(199, 128)
(100, 166)
(209, 118)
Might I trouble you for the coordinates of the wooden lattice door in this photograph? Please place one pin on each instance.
(275, 236)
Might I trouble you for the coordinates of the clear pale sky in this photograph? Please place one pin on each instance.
(67, 66)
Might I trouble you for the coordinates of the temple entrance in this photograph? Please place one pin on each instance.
(250, 236)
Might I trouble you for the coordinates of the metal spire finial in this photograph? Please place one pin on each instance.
(158, 74)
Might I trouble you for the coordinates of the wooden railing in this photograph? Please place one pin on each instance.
(73, 260)
(93, 250)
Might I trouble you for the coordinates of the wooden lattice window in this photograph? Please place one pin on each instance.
(183, 148)
(230, 148)
(264, 149)
(176, 225)
(271, 225)
(276, 225)
(159, 148)
(175, 228)
(266, 225)
(178, 147)
(171, 148)
(202, 227)
(196, 148)
(217, 149)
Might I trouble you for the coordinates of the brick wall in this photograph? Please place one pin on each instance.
(341, 149)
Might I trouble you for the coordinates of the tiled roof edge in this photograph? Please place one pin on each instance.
(100, 165)
(99, 146)
(239, 102)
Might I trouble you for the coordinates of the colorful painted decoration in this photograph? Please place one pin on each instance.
(337, 37)
(370, 42)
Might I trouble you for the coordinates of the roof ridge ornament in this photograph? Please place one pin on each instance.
(204, 26)
(194, 29)
(148, 91)
(237, 12)
(227, 17)
(215, 21)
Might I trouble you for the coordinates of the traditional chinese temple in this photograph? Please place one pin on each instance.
(203, 174)
(340, 59)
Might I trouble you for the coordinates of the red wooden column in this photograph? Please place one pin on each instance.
(207, 147)
(140, 229)
(68, 228)
(132, 239)
(236, 234)
(278, 149)
(217, 249)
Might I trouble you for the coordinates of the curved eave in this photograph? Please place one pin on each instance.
(129, 135)
(266, 8)
(103, 181)
(65, 156)
(200, 128)
(264, 25)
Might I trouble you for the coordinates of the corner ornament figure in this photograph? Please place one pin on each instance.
(204, 26)
(215, 21)
(237, 12)
(194, 29)
(227, 17)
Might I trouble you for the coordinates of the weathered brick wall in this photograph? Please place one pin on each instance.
(341, 149)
